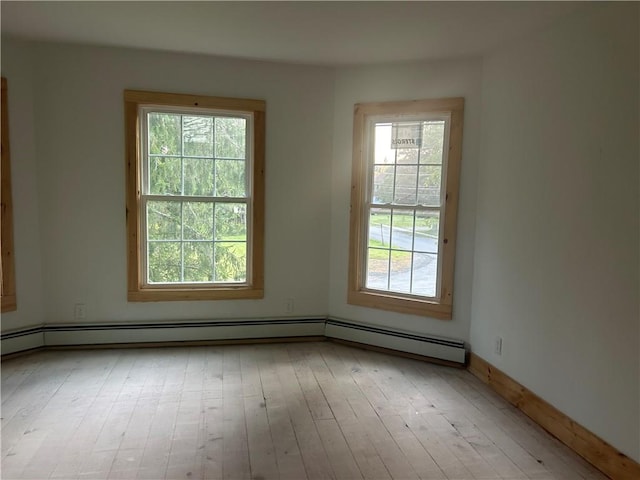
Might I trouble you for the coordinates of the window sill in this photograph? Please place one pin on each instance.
(164, 294)
(400, 304)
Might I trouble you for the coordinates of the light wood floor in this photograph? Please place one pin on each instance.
(305, 410)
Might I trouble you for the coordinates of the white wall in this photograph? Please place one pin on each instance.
(556, 259)
(17, 67)
(455, 78)
(80, 155)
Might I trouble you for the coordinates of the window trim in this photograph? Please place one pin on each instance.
(137, 290)
(9, 302)
(410, 304)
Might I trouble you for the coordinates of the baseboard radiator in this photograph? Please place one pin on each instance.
(439, 348)
(61, 335)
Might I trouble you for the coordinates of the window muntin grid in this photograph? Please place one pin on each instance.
(404, 206)
(197, 220)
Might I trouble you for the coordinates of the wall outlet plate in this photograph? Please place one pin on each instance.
(80, 311)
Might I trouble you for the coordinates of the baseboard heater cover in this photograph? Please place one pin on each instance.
(22, 340)
(425, 345)
(159, 332)
(181, 331)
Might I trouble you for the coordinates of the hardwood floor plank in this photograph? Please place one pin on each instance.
(213, 451)
(314, 456)
(311, 390)
(235, 456)
(547, 451)
(262, 456)
(456, 399)
(364, 452)
(495, 457)
(314, 410)
(340, 457)
(97, 465)
(282, 396)
(288, 455)
(473, 462)
(421, 461)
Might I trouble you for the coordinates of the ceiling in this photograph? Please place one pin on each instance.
(320, 33)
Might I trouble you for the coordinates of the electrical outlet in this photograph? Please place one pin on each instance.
(498, 346)
(288, 306)
(80, 311)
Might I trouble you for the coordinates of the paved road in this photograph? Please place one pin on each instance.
(402, 238)
(425, 266)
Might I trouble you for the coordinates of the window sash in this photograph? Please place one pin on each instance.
(442, 307)
(145, 110)
(145, 196)
(187, 199)
(369, 203)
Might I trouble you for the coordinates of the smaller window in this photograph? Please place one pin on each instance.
(7, 273)
(195, 196)
(405, 177)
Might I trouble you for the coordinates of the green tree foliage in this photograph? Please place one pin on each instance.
(198, 156)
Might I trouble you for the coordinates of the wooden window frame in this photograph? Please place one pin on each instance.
(442, 305)
(7, 273)
(138, 290)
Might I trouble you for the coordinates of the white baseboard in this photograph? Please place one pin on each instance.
(20, 341)
(87, 334)
(425, 345)
(52, 335)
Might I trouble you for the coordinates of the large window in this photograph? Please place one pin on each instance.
(195, 192)
(406, 168)
(7, 276)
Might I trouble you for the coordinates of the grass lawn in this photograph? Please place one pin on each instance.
(423, 224)
(378, 258)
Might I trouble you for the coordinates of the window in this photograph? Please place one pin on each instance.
(195, 196)
(7, 275)
(405, 177)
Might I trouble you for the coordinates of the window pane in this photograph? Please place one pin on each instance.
(400, 272)
(230, 178)
(165, 176)
(164, 262)
(231, 222)
(407, 155)
(429, 186)
(230, 137)
(197, 134)
(402, 231)
(164, 134)
(425, 271)
(406, 183)
(198, 176)
(163, 220)
(406, 134)
(230, 261)
(198, 262)
(377, 268)
(427, 228)
(198, 221)
(380, 227)
(383, 184)
(432, 142)
(383, 151)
